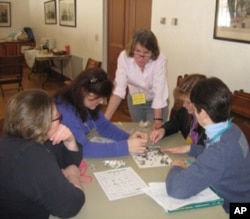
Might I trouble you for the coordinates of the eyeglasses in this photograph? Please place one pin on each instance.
(146, 55)
(60, 117)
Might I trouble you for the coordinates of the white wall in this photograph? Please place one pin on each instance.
(85, 39)
(190, 46)
(19, 17)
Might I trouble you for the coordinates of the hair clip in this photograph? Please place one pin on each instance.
(93, 80)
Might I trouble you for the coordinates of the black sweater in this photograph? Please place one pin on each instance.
(181, 121)
(32, 184)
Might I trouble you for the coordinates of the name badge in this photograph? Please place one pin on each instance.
(138, 99)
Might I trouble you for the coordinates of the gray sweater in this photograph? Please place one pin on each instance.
(224, 165)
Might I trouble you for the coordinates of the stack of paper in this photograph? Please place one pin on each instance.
(205, 198)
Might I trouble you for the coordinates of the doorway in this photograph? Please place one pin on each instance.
(124, 18)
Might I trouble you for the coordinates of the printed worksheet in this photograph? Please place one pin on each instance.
(120, 183)
(153, 157)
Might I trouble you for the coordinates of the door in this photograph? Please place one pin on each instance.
(125, 17)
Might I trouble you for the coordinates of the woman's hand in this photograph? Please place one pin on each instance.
(72, 173)
(137, 142)
(157, 124)
(157, 135)
(177, 150)
(63, 133)
(180, 163)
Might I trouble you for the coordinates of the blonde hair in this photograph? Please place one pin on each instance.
(29, 115)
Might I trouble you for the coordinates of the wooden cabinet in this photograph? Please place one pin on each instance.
(14, 48)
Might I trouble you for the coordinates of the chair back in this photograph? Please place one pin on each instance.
(240, 111)
(11, 71)
(177, 102)
(91, 63)
(1, 125)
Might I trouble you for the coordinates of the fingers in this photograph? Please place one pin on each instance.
(137, 145)
(173, 150)
(141, 135)
(154, 137)
(61, 134)
(180, 163)
(177, 150)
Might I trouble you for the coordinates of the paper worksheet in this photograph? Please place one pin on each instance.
(157, 191)
(120, 183)
(153, 157)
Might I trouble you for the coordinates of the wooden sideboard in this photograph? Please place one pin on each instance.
(14, 48)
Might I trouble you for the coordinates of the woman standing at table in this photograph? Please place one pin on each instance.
(184, 120)
(141, 68)
(39, 160)
(80, 103)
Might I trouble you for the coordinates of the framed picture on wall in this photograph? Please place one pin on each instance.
(67, 13)
(232, 20)
(50, 12)
(5, 14)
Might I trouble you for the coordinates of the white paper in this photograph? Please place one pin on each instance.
(120, 183)
(157, 191)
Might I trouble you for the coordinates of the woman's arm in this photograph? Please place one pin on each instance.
(113, 104)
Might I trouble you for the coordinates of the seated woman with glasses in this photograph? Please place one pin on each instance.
(141, 68)
(39, 161)
(80, 103)
(184, 120)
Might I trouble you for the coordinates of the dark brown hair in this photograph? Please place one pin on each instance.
(213, 96)
(92, 80)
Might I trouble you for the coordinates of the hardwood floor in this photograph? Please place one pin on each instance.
(35, 82)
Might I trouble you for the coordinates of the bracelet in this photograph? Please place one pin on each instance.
(158, 119)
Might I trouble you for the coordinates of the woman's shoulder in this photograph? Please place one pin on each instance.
(24, 147)
(65, 107)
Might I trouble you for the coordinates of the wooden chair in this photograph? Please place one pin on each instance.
(1, 126)
(91, 63)
(11, 71)
(177, 102)
(242, 93)
(240, 111)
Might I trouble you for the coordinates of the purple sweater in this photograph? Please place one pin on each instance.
(104, 127)
(224, 165)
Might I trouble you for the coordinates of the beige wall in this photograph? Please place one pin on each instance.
(189, 46)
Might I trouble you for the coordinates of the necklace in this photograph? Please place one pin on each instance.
(93, 123)
(92, 132)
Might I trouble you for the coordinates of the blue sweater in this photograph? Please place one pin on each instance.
(224, 165)
(105, 128)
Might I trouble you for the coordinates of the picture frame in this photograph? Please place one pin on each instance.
(232, 20)
(50, 15)
(5, 14)
(67, 13)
